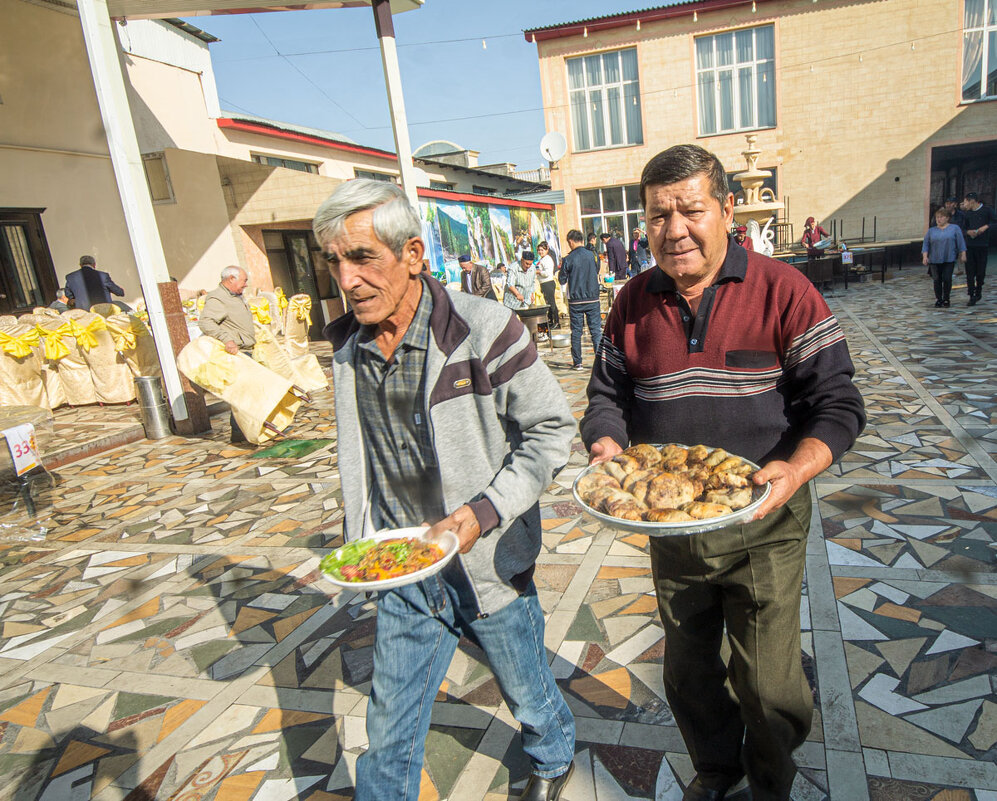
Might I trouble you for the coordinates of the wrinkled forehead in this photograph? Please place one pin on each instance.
(693, 191)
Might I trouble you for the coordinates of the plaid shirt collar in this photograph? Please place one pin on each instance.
(417, 335)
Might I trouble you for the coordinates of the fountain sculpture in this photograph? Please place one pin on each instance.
(760, 206)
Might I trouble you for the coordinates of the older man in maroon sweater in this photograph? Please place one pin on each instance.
(727, 348)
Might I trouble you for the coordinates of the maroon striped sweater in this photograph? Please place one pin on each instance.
(760, 366)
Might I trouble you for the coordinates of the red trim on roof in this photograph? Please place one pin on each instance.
(630, 18)
(279, 133)
(443, 194)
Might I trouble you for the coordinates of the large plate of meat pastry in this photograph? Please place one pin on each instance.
(673, 489)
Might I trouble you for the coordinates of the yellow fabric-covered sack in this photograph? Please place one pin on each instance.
(296, 326)
(112, 380)
(21, 376)
(73, 371)
(21, 345)
(260, 307)
(263, 403)
(133, 340)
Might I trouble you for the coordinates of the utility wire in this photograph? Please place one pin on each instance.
(361, 49)
(303, 75)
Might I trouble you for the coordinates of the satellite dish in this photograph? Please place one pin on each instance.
(553, 146)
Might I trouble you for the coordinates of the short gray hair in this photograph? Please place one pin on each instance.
(395, 221)
(232, 271)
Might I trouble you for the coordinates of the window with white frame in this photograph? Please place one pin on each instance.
(386, 177)
(605, 100)
(290, 164)
(158, 176)
(979, 50)
(613, 210)
(735, 80)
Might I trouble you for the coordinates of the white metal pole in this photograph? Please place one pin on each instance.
(396, 102)
(105, 64)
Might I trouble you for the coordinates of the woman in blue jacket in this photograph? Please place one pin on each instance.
(942, 245)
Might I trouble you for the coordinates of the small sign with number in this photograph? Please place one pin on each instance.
(24, 452)
(847, 257)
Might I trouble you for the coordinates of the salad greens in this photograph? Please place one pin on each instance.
(353, 552)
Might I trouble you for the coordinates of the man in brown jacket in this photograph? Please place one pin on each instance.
(227, 318)
(475, 280)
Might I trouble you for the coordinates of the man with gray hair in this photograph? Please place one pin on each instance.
(446, 414)
(227, 318)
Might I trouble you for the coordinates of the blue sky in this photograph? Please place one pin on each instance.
(323, 69)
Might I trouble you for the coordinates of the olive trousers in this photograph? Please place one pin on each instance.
(745, 717)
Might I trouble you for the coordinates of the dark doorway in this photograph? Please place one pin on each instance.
(27, 276)
(958, 169)
(296, 266)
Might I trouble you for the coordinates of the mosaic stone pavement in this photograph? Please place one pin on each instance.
(164, 633)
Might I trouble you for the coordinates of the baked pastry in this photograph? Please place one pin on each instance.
(669, 491)
(594, 480)
(734, 498)
(647, 455)
(673, 484)
(703, 511)
(667, 516)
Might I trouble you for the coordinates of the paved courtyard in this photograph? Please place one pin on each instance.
(165, 633)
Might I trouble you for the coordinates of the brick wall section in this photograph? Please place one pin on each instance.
(845, 130)
(257, 194)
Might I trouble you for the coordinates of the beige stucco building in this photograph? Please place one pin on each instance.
(863, 108)
(227, 189)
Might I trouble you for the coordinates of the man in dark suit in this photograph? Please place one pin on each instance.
(91, 286)
(616, 254)
(475, 278)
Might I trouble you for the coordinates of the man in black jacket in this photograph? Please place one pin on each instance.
(979, 218)
(616, 254)
(581, 274)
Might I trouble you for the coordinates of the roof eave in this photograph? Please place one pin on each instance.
(626, 19)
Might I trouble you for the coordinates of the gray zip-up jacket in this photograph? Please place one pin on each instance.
(501, 429)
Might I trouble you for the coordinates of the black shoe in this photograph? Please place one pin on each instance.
(946, 304)
(938, 304)
(540, 789)
(697, 791)
(972, 301)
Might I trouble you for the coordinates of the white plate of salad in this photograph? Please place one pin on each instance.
(390, 558)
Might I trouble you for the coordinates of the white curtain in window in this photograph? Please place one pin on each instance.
(629, 59)
(611, 65)
(615, 117)
(726, 100)
(972, 64)
(598, 118)
(765, 75)
(593, 70)
(746, 99)
(704, 53)
(745, 48)
(631, 106)
(974, 13)
(576, 74)
(707, 104)
(992, 65)
(725, 49)
(764, 42)
(579, 125)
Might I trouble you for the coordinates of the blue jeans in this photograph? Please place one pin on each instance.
(418, 627)
(578, 313)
